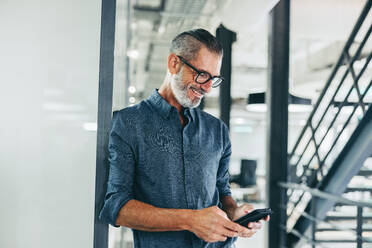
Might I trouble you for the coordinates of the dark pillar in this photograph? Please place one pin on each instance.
(277, 120)
(226, 38)
(106, 69)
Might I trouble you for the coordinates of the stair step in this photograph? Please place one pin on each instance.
(360, 189)
(365, 227)
(337, 230)
(339, 204)
(334, 216)
(365, 173)
(340, 241)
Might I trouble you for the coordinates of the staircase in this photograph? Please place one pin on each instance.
(346, 224)
(332, 153)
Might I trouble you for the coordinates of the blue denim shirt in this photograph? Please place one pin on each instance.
(156, 161)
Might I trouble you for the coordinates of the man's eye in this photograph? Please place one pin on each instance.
(204, 75)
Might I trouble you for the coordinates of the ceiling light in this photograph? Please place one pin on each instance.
(299, 108)
(61, 106)
(238, 121)
(257, 107)
(133, 25)
(257, 103)
(132, 89)
(90, 126)
(241, 129)
(133, 54)
(132, 99)
(161, 30)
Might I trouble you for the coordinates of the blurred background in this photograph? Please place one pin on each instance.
(318, 32)
(49, 67)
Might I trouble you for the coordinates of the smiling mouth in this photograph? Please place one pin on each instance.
(197, 93)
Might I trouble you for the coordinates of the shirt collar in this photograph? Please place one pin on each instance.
(160, 104)
(164, 108)
(189, 112)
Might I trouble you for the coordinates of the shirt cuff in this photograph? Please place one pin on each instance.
(111, 208)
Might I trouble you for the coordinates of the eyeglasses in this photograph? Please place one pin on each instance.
(203, 77)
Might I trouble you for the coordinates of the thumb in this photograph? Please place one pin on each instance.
(247, 208)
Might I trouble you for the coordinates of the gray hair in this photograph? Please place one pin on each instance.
(187, 44)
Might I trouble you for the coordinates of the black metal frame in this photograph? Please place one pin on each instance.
(199, 72)
(159, 8)
(227, 38)
(316, 176)
(106, 71)
(317, 195)
(277, 120)
(344, 59)
(347, 165)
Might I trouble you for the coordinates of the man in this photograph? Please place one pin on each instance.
(169, 160)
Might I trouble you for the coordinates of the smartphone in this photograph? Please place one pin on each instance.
(254, 216)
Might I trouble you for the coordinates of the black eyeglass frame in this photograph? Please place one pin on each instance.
(199, 72)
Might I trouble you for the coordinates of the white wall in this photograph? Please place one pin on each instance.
(252, 145)
(49, 61)
(248, 145)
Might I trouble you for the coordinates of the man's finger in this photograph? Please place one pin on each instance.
(219, 237)
(232, 226)
(247, 232)
(248, 207)
(228, 233)
(247, 235)
(254, 225)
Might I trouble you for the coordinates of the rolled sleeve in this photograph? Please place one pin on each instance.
(121, 174)
(223, 176)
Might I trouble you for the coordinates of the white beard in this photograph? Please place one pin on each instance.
(180, 91)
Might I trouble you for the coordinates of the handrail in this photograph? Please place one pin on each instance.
(321, 194)
(336, 227)
(334, 70)
(297, 154)
(330, 103)
(343, 81)
(325, 195)
(301, 236)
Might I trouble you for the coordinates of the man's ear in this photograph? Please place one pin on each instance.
(174, 63)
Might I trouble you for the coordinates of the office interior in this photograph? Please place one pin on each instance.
(67, 65)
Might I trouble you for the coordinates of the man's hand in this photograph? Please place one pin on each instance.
(212, 225)
(252, 227)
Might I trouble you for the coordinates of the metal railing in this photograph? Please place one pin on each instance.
(345, 92)
(356, 231)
